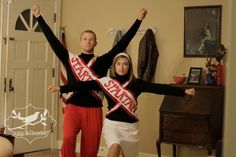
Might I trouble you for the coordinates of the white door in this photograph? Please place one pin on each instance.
(29, 71)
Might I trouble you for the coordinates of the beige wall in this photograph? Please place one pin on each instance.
(230, 107)
(168, 17)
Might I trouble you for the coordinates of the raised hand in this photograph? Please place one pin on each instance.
(36, 10)
(142, 14)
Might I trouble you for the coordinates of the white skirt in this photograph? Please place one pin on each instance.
(122, 133)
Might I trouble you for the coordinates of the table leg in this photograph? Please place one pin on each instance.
(174, 150)
(158, 147)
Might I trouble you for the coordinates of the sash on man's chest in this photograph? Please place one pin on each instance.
(83, 72)
(123, 97)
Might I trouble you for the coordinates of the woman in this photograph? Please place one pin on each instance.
(121, 89)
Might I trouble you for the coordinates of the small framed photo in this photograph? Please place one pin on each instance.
(194, 76)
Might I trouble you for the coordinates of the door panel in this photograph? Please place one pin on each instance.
(29, 72)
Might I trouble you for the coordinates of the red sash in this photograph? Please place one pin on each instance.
(83, 72)
(122, 96)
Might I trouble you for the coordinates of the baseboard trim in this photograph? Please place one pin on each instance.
(103, 150)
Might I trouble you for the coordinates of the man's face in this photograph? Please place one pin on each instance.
(88, 42)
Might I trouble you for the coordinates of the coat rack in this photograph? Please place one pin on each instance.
(113, 31)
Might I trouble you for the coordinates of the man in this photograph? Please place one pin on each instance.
(83, 111)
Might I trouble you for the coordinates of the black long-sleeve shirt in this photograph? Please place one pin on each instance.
(100, 67)
(136, 86)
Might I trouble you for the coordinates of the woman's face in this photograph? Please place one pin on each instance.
(122, 66)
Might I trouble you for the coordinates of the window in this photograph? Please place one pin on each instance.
(27, 22)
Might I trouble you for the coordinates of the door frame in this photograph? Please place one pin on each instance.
(3, 12)
(3, 59)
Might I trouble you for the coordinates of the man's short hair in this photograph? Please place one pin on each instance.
(89, 31)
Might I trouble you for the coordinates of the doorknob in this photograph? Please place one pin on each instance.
(11, 88)
(11, 38)
(52, 126)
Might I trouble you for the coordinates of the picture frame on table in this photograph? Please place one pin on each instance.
(202, 30)
(194, 76)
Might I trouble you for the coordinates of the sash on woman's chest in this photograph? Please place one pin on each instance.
(123, 97)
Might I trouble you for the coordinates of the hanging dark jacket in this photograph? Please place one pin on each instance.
(147, 56)
(118, 36)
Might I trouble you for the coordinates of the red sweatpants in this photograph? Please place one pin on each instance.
(89, 121)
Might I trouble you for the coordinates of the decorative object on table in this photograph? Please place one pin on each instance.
(210, 72)
(194, 75)
(202, 30)
(215, 68)
(220, 70)
(179, 79)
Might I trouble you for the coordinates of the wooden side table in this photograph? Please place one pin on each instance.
(196, 121)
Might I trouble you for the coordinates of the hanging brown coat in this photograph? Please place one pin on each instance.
(147, 56)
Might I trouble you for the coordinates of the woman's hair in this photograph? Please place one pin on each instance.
(112, 72)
